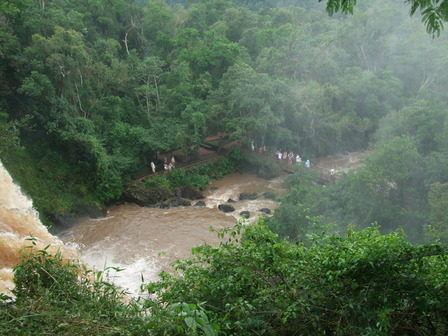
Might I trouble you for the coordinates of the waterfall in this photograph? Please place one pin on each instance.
(19, 221)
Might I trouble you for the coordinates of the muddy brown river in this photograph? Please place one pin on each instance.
(144, 241)
(141, 241)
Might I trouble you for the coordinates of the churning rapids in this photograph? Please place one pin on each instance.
(142, 241)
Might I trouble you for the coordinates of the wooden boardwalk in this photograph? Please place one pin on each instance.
(324, 174)
(142, 176)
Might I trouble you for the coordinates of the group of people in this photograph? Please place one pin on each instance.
(282, 155)
(291, 158)
(168, 166)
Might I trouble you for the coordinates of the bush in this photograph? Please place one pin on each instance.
(181, 177)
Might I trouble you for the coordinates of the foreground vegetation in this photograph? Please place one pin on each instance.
(363, 283)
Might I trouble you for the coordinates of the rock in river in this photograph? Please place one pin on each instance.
(248, 196)
(245, 214)
(226, 208)
(266, 210)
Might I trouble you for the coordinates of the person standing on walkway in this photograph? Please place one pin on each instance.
(252, 145)
(290, 157)
(153, 167)
(308, 164)
(173, 161)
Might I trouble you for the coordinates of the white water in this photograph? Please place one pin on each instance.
(144, 241)
(19, 221)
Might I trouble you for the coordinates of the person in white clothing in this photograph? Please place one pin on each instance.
(153, 167)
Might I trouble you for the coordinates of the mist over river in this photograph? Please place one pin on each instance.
(144, 241)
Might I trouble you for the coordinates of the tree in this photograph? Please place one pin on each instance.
(12, 8)
(9, 135)
(434, 13)
(248, 101)
(149, 72)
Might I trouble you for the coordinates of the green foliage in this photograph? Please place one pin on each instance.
(292, 221)
(180, 177)
(56, 296)
(180, 319)
(438, 215)
(363, 283)
(59, 297)
(346, 7)
(358, 284)
(249, 101)
(11, 8)
(157, 181)
(434, 13)
(9, 135)
(200, 176)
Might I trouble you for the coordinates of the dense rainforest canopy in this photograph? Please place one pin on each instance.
(91, 90)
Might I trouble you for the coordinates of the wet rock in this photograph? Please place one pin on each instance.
(266, 210)
(269, 195)
(63, 221)
(91, 211)
(189, 193)
(245, 214)
(180, 202)
(213, 188)
(231, 201)
(248, 196)
(200, 204)
(67, 219)
(266, 173)
(145, 196)
(173, 203)
(226, 208)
